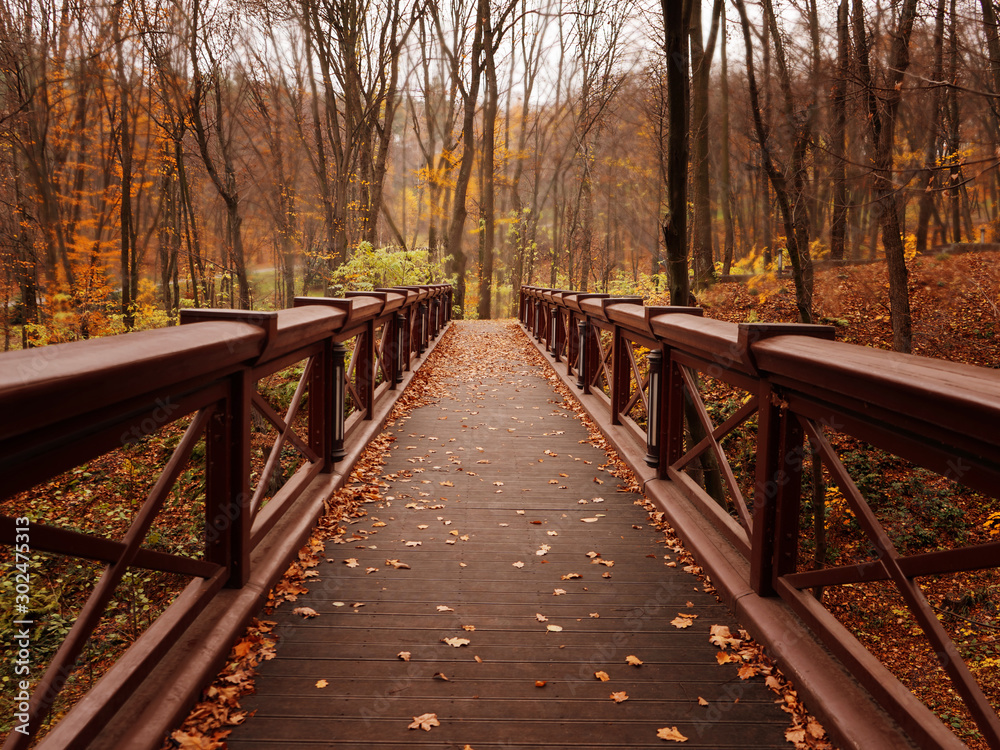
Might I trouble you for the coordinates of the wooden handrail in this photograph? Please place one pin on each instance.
(67, 404)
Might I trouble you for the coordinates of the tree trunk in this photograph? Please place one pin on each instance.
(881, 126)
(838, 137)
(676, 22)
(726, 185)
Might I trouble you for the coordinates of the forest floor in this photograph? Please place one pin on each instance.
(955, 302)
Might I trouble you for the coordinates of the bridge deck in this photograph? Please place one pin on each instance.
(450, 459)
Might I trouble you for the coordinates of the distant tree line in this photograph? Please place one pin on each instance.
(156, 154)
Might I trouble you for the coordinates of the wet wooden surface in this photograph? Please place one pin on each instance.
(480, 486)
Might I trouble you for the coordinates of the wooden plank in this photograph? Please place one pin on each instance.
(465, 561)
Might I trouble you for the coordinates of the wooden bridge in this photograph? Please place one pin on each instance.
(495, 521)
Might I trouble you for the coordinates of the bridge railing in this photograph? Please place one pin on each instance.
(656, 377)
(67, 404)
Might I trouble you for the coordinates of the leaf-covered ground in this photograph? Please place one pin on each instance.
(956, 316)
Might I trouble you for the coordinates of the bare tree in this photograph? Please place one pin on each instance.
(882, 101)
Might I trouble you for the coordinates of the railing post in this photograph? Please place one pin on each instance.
(399, 321)
(538, 316)
(320, 407)
(338, 394)
(553, 341)
(673, 409)
(227, 481)
(654, 414)
(365, 370)
(422, 322)
(620, 374)
(777, 493)
(582, 370)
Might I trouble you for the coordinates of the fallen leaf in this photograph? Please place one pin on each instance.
(404, 655)
(456, 642)
(602, 676)
(702, 701)
(306, 612)
(722, 657)
(619, 697)
(593, 554)
(518, 564)
(369, 571)
(722, 638)
(595, 614)
(635, 661)
(773, 683)
(681, 622)
(747, 671)
(570, 576)
(447, 483)
(815, 728)
(425, 722)
(444, 608)
(470, 628)
(552, 533)
(540, 683)
(321, 683)
(351, 562)
(795, 735)
(558, 592)
(378, 524)
(423, 526)
(590, 520)
(670, 733)
(413, 544)
(440, 676)
(554, 628)
(479, 659)
(540, 617)
(605, 575)
(598, 481)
